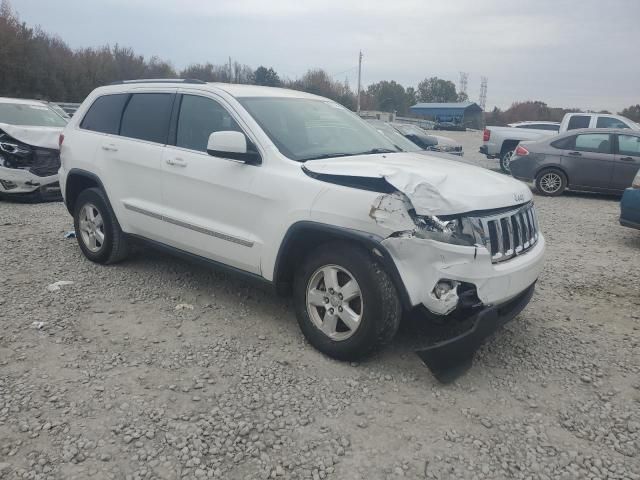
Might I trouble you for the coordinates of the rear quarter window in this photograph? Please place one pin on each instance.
(567, 143)
(104, 114)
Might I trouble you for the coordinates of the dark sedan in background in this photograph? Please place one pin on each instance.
(594, 160)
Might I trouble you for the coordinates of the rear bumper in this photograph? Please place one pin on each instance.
(630, 208)
(485, 151)
(450, 358)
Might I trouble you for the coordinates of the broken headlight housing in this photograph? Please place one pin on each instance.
(457, 231)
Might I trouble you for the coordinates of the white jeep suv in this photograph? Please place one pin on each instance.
(296, 190)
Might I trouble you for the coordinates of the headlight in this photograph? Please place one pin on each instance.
(457, 231)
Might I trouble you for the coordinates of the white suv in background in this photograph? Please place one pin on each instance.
(296, 190)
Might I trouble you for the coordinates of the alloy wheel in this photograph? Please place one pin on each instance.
(550, 182)
(334, 302)
(91, 227)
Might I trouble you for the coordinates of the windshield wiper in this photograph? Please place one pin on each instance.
(377, 150)
(328, 155)
(368, 152)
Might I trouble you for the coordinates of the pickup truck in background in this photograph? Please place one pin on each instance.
(501, 142)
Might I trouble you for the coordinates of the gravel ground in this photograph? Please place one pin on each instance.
(156, 368)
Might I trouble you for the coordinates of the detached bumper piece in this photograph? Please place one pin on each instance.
(450, 358)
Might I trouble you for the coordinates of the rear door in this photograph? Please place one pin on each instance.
(131, 162)
(627, 161)
(211, 203)
(588, 160)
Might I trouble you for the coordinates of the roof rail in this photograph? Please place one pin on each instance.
(159, 80)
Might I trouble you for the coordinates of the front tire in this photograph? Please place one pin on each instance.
(505, 159)
(97, 230)
(345, 302)
(551, 182)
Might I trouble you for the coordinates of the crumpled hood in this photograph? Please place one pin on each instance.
(434, 186)
(44, 137)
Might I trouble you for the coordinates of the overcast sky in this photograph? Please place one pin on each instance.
(569, 53)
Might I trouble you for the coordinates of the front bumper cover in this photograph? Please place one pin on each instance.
(16, 181)
(450, 358)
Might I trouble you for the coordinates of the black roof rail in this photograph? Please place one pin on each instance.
(159, 80)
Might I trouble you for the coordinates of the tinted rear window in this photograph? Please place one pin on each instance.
(104, 115)
(578, 121)
(147, 117)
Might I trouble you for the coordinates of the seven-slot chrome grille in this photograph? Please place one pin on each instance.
(508, 234)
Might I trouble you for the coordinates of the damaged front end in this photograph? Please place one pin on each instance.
(448, 266)
(28, 171)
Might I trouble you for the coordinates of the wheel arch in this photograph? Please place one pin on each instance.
(508, 145)
(77, 181)
(305, 236)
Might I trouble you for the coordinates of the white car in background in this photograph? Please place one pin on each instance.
(29, 150)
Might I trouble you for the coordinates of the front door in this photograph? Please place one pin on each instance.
(627, 161)
(589, 161)
(210, 206)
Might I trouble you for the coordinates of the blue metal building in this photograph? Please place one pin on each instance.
(463, 113)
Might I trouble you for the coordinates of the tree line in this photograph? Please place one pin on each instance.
(36, 64)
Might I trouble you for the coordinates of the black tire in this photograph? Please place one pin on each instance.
(505, 158)
(380, 307)
(544, 179)
(115, 247)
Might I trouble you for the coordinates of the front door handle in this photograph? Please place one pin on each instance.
(176, 162)
(627, 159)
(575, 154)
(110, 148)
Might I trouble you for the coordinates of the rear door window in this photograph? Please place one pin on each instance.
(593, 142)
(578, 121)
(147, 117)
(629, 145)
(608, 122)
(200, 117)
(105, 113)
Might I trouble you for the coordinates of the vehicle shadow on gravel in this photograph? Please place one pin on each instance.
(187, 281)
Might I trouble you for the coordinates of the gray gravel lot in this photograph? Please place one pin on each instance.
(156, 368)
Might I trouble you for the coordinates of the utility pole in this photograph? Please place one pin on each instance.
(230, 72)
(359, 77)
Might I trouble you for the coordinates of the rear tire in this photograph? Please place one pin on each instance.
(320, 304)
(97, 230)
(551, 182)
(505, 159)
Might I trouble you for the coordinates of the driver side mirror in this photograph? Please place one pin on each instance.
(233, 145)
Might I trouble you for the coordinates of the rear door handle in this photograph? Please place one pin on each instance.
(110, 147)
(176, 162)
(575, 154)
(627, 159)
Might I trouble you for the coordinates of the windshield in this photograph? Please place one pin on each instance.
(307, 129)
(30, 115)
(394, 136)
